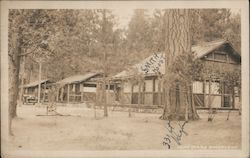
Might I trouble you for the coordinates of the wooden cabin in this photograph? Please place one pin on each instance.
(78, 88)
(147, 91)
(31, 91)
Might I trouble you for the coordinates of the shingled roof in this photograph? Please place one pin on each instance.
(35, 83)
(77, 78)
(157, 60)
(204, 48)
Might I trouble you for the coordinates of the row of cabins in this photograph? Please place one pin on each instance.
(72, 89)
(126, 90)
(78, 88)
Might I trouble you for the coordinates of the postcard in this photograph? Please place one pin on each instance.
(124, 79)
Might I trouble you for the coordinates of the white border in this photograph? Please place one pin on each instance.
(243, 5)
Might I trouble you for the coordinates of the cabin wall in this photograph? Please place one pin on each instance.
(77, 92)
(149, 94)
(223, 60)
(33, 91)
(218, 96)
(82, 92)
(222, 66)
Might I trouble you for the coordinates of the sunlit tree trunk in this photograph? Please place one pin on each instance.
(177, 42)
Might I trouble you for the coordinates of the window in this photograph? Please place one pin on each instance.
(89, 89)
(215, 88)
(210, 56)
(81, 87)
(221, 57)
(72, 87)
(236, 91)
(77, 88)
(136, 88)
(149, 85)
(231, 60)
(197, 87)
(157, 85)
(127, 87)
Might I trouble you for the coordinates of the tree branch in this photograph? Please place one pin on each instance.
(32, 51)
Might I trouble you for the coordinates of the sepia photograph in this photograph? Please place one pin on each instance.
(111, 79)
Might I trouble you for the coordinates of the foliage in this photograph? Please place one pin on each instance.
(70, 42)
(75, 37)
(187, 67)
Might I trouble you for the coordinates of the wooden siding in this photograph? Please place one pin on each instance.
(201, 99)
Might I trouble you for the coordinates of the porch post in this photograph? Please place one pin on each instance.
(122, 91)
(209, 95)
(153, 91)
(159, 91)
(44, 91)
(68, 94)
(233, 101)
(143, 92)
(57, 94)
(139, 94)
(82, 91)
(204, 93)
(222, 93)
(39, 85)
(74, 92)
(108, 94)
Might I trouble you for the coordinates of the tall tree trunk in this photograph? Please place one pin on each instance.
(14, 68)
(39, 85)
(105, 100)
(22, 77)
(177, 42)
(104, 42)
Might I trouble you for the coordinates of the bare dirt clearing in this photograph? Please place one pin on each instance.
(81, 131)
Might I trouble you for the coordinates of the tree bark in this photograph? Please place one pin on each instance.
(14, 68)
(22, 76)
(105, 108)
(177, 42)
(104, 33)
(39, 85)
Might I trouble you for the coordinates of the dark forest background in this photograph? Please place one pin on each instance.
(73, 42)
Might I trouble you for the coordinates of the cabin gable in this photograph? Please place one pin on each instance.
(224, 54)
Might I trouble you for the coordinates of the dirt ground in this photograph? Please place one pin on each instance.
(79, 130)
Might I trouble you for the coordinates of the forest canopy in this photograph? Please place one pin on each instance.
(72, 42)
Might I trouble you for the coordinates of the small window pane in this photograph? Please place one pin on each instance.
(197, 87)
(221, 57)
(215, 88)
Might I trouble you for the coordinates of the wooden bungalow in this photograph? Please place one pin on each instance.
(146, 90)
(78, 88)
(31, 91)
